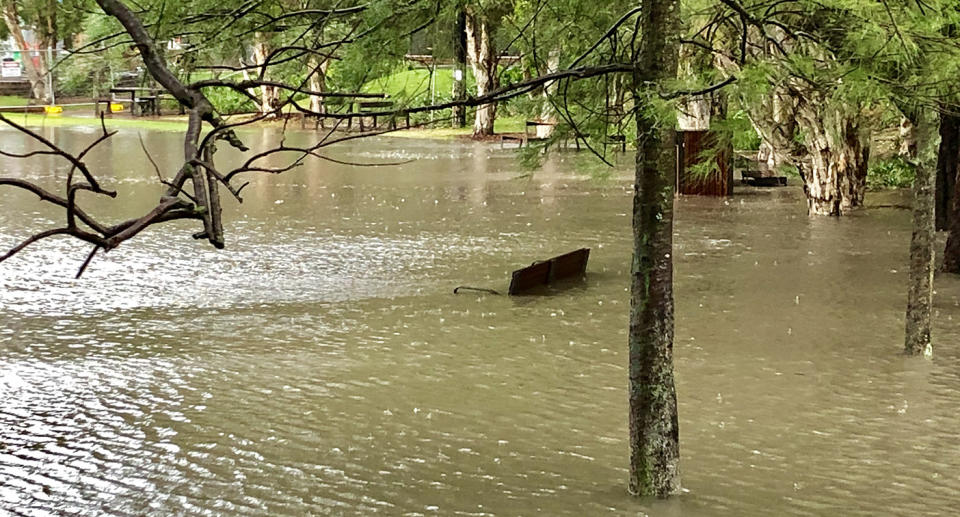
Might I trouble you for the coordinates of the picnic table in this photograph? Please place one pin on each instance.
(148, 103)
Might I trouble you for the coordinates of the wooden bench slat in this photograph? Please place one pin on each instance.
(538, 274)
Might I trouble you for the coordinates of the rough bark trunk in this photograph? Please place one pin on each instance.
(36, 71)
(835, 171)
(483, 59)
(654, 433)
(460, 66)
(948, 161)
(920, 293)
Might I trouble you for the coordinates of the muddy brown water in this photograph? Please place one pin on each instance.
(321, 364)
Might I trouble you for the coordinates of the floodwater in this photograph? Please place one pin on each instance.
(322, 365)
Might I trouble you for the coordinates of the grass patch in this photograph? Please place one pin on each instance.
(13, 100)
(412, 87)
(39, 119)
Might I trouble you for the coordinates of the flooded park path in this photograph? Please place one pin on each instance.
(322, 365)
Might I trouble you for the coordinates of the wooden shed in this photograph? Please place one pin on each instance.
(690, 151)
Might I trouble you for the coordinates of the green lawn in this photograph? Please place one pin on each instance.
(412, 87)
(13, 100)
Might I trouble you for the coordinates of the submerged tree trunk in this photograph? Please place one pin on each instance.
(460, 67)
(483, 59)
(36, 70)
(948, 161)
(835, 170)
(654, 433)
(920, 293)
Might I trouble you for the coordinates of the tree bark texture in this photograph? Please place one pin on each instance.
(483, 59)
(460, 63)
(36, 70)
(835, 169)
(653, 423)
(920, 292)
(948, 162)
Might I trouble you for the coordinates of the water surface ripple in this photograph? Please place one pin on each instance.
(321, 365)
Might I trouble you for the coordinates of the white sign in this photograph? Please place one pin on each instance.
(10, 69)
(458, 75)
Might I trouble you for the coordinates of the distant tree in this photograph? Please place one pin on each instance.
(52, 22)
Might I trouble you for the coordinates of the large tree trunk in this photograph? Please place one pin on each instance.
(947, 165)
(948, 160)
(483, 59)
(920, 293)
(835, 171)
(36, 70)
(654, 432)
(460, 67)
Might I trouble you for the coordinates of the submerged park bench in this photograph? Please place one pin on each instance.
(756, 178)
(348, 109)
(373, 107)
(542, 273)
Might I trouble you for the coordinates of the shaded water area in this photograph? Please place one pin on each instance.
(321, 365)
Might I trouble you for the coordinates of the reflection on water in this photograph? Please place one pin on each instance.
(322, 365)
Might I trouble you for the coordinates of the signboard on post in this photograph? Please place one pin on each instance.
(10, 68)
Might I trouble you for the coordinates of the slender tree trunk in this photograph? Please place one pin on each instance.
(269, 95)
(547, 113)
(693, 114)
(36, 71)
(920, 293)
(908, 139)
(460, 66)
(775, 123)
(948, 162)
(654, 433)
(318, 81)
(483, 59)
